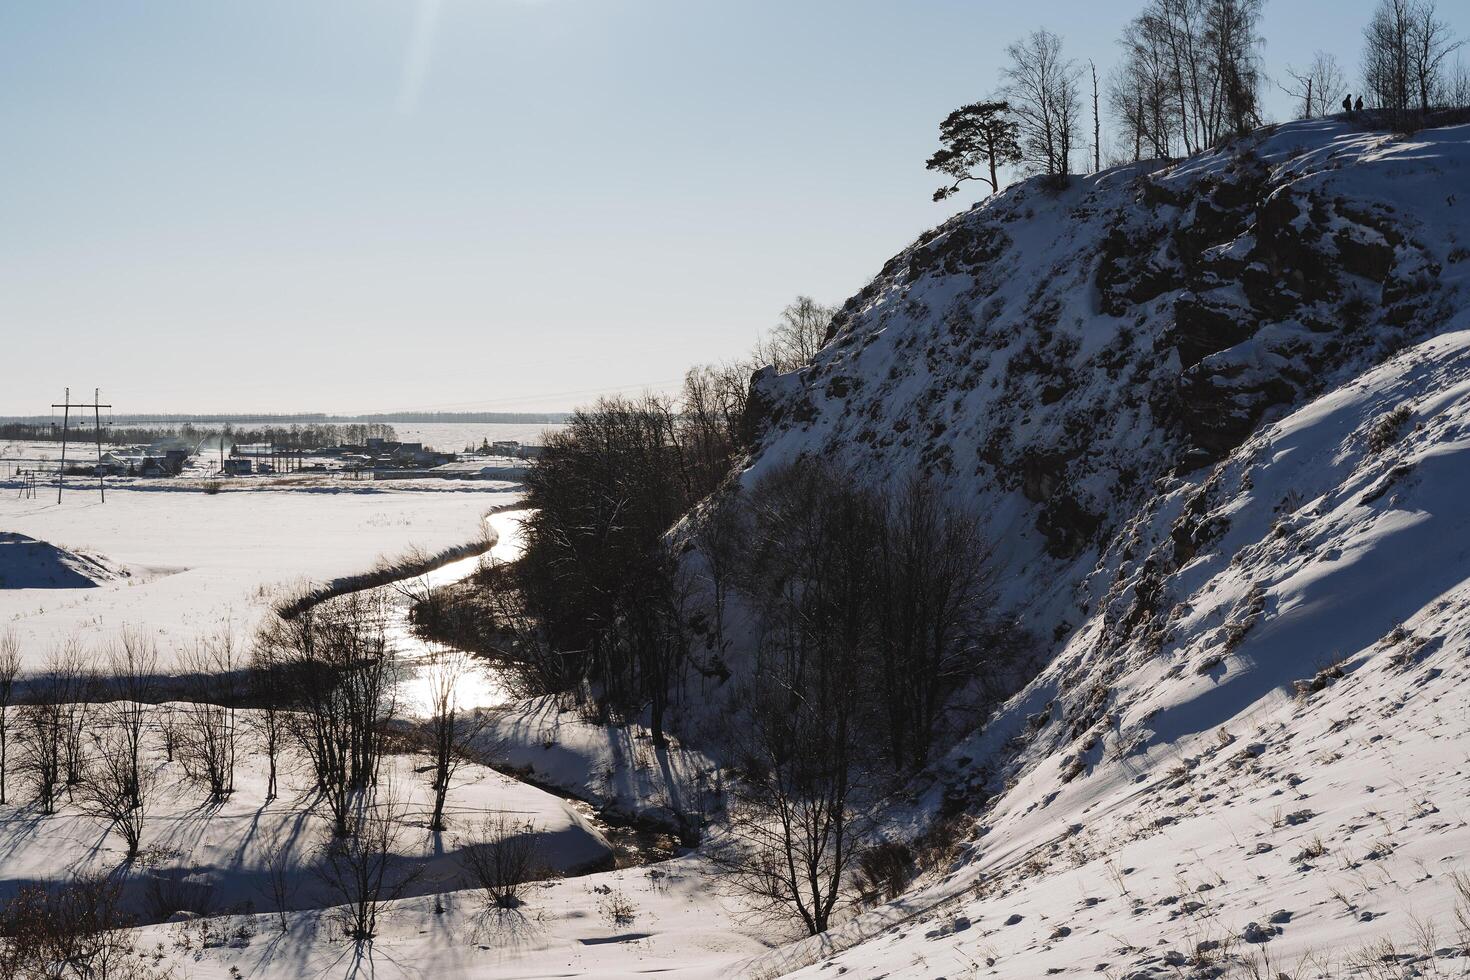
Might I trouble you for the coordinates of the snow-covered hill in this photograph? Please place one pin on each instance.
(1050, 355)
(1217, 417)
(26, 563)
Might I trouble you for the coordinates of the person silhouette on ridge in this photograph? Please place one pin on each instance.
(1347, 103)
(1358, 106)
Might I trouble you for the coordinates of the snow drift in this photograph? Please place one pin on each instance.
(28, 563)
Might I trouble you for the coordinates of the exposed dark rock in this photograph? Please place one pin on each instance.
(761, 412)
(1042, 473)
(960, 249)
(1202, 328)
(1068, 526)
(1371, 260)
(1127, 275)
(1221, 403)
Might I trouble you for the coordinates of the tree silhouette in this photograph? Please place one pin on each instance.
(982, 134)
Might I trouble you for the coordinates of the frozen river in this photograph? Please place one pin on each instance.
(480, 686)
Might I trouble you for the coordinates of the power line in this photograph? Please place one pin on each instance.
(67, 405)
(552, 394)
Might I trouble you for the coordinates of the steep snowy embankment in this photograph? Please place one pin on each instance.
(1251, 734)
(1048, 355)
(1285, 743)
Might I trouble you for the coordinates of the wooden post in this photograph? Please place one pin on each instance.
(97, 421)
(66, 407)
(65, 417)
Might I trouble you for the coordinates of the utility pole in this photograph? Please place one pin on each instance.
(97, 424)
(66, 406)
(61, 470)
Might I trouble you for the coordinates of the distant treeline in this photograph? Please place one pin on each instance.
(507, 418)
(310, 435)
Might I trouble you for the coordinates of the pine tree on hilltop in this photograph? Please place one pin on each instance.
(976, 135)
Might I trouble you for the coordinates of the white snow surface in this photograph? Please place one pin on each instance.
(197, 564)
(1250, 737)
(1336, 723)
(26, 563)
(1259, 716)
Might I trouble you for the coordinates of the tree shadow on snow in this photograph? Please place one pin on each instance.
(359, 962)
(500, 928)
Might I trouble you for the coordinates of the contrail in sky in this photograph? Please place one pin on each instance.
(420, 54)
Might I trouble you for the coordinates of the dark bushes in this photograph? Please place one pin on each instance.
(872, 613)
(605, 593)
(71, 931)
(885, 870)
(503, 860)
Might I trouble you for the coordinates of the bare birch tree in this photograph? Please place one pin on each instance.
(9, 674)
(1405, 49)
(361, 868)
(1190, 74)
(340, 665)
(1042, 88)
(133, 665)
(449, 730)
(935, 583)
(1457, 85)
(117, 789)
(1141, 91)
(269, 696)
(74, 686)
(210, 728)
(797, 336)
(1433, 42)
(811, 576)
(40, 736)
(280, 880)
(1318, 88)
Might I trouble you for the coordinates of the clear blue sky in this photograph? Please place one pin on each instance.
(358, 205)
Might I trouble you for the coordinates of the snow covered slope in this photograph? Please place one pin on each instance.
(26, 563)
(1216, 416)
(1218, 419)
(1272, 731)
(1050, 355)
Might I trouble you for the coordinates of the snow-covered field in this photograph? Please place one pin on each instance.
(198, 563)
(1325, 837)
(1247, 753)
(226, 848)
(662, 920)
(184, 565)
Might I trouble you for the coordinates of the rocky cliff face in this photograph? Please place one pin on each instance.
(1050, 355)
(1217, 417)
